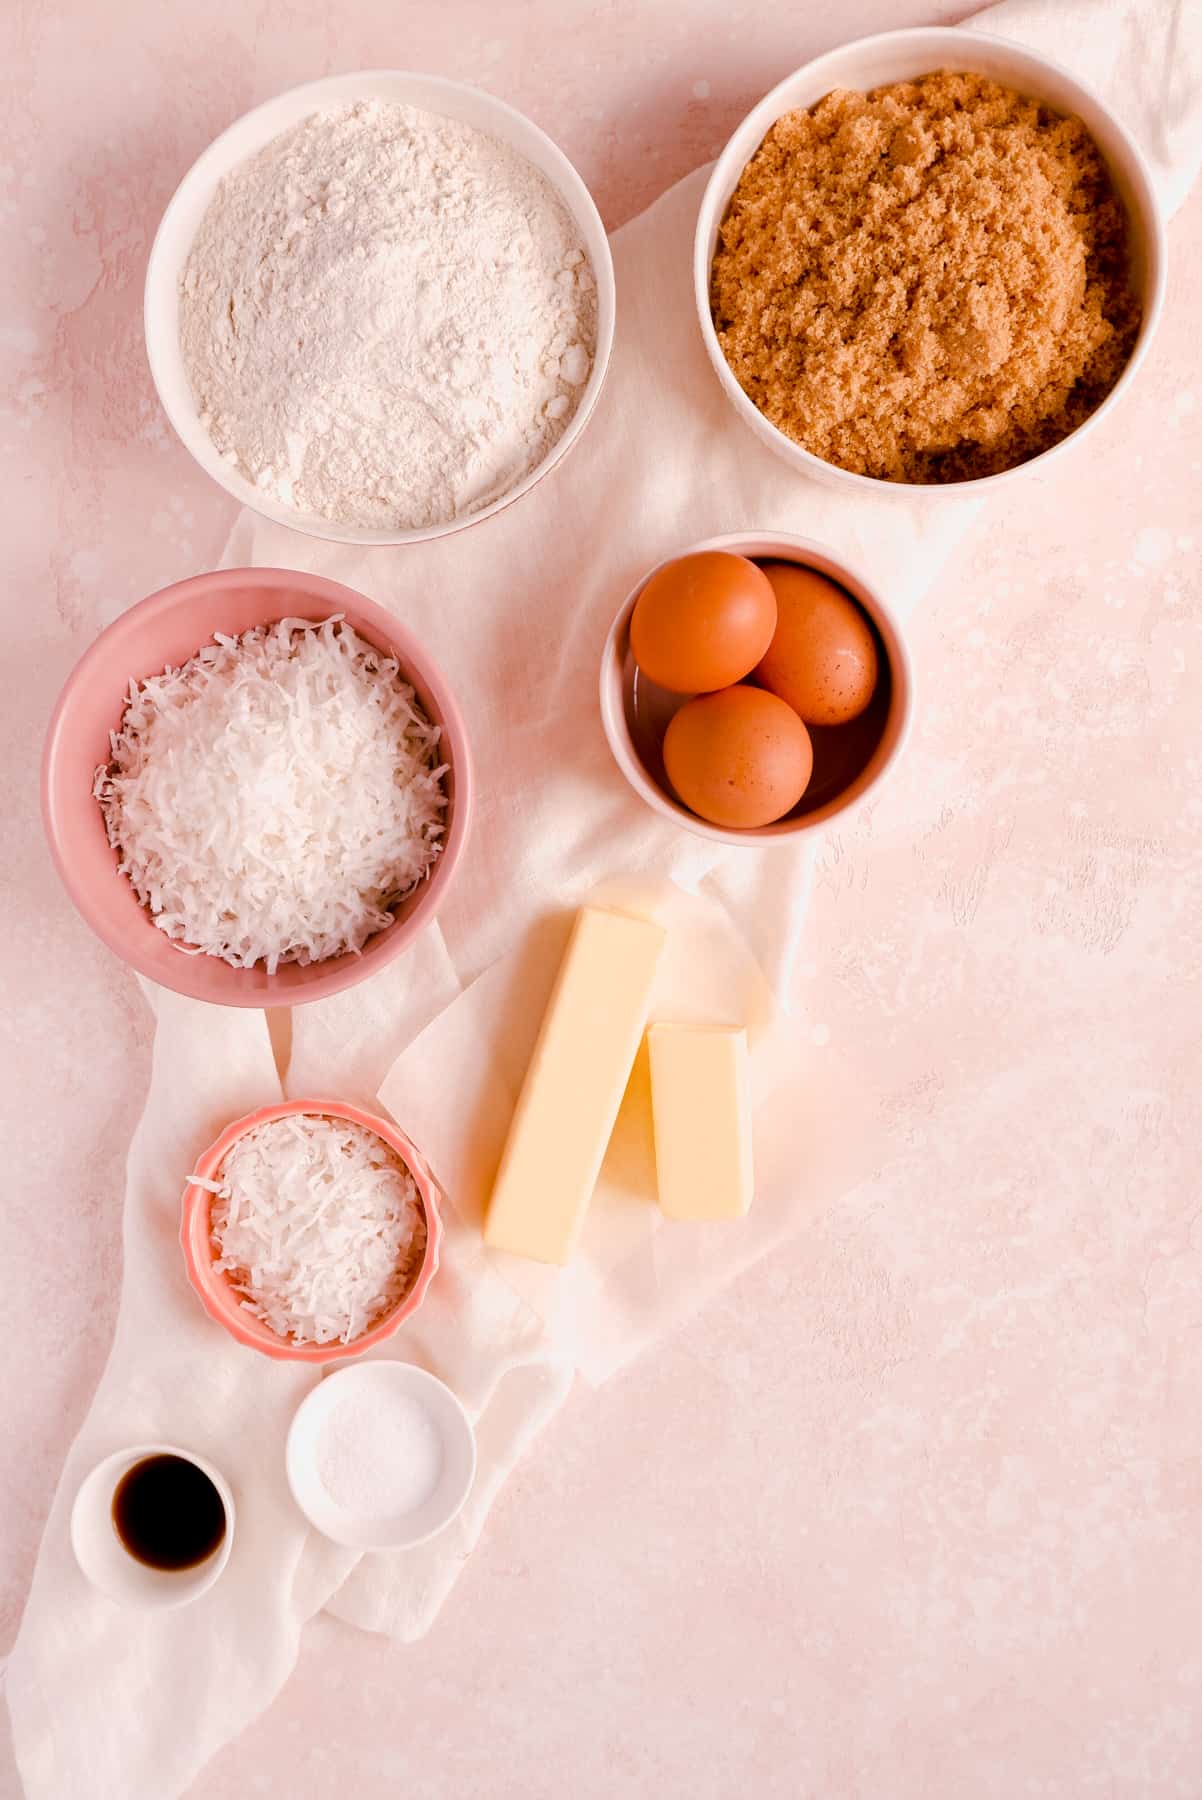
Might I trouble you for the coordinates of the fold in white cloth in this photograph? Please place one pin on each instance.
(516, 611)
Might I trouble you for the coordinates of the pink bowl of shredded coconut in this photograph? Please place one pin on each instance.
(253, 808)
(311, 1230)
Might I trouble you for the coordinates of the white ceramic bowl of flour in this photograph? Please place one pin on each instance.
(182, 220)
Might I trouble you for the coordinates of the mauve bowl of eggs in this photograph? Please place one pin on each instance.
(753, 687)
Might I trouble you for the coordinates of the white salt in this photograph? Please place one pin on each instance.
(379, 1455)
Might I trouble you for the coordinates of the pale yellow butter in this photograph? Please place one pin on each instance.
(574, 1085)
(700, 1103)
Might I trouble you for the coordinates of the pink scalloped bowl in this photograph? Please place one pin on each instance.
(167, 628)
(213, 1287)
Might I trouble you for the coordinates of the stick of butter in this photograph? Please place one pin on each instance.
(574, 1085)
(700, 1104)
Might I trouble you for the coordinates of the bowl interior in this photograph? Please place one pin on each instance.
(214, 1286)
(167, 629)
(848, 759)
(842, 753)
(899, 56)
(250, 133)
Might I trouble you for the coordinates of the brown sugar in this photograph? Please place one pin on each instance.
(927, 283)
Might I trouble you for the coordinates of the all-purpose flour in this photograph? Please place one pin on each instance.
(387, 317)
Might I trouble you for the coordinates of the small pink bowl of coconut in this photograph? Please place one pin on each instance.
(311, 1230)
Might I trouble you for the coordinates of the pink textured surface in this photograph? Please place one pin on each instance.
(917, 1510)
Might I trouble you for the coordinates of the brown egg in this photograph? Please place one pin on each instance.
(823, 657)
(703, 622)
(740, 757)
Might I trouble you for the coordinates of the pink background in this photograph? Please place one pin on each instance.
(916, 1509)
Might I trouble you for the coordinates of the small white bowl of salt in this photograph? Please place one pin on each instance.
(381, 1456)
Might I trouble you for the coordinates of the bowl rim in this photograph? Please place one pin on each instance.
(197, 1199)
(412, 1373)
(344, 971)
(784, 547)
(572, 190)
(1150, 225)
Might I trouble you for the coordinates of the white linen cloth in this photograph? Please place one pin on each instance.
(516, 611)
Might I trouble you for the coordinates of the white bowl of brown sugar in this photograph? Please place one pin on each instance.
(928, 259)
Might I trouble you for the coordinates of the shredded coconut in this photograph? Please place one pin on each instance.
(275, 798)
(387, 317)
(319, 1225)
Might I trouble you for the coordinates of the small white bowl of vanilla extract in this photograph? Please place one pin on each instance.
(153, 1526)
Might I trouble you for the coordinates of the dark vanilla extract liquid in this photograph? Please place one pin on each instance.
(168, 1514)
